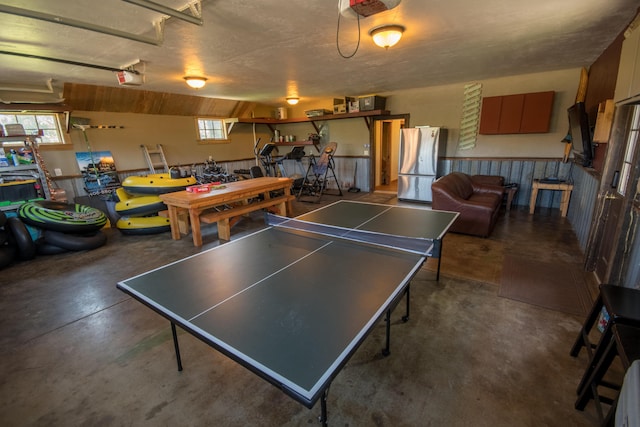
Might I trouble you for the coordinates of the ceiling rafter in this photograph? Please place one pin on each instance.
(194, 7)
(56, 19)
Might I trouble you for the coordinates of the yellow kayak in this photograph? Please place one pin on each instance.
(143, 225)
(130, 205)
(157, 183)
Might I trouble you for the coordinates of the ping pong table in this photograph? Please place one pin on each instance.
(292, 303)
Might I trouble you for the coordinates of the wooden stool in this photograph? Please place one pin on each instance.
(625, 343)
(622, 305)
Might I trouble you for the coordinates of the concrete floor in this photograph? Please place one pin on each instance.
(78, 352)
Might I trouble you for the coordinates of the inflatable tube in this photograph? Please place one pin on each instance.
(75, 242)
(22, 238)
(137, 205)
(67, 218)
(143, 225)
(4, 237)
(7, 255)
(157, 183)
(43, 248)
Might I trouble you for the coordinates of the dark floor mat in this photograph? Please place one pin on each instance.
(557, 286)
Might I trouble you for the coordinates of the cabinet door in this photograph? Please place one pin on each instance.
(490, 115)
(511, 116)
(536, 112)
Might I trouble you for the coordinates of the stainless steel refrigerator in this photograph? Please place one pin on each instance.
(418, 161)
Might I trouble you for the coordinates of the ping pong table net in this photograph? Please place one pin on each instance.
(417, 245)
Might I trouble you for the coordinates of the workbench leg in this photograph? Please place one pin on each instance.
(173, 221)
(282, 209)
(194, 217)
(224, 229)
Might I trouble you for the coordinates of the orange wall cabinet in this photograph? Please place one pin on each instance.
(521, 113)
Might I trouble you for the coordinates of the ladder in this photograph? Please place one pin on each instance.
(158, 161)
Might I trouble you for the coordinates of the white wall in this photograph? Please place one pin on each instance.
(436, 106)
(442, 106)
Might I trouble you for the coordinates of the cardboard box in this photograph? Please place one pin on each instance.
(341, 105)
(317, 113)
(373, 102)
(353, 106)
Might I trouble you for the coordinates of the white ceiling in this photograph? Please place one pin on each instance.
(264, 50)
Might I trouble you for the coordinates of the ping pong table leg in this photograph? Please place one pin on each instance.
(405, 318)
(176, 346)
(437, 250)
(386, 351)
(323, 407)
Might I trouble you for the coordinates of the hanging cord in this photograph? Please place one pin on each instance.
(338, 36)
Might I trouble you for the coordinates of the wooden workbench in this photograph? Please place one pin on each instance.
(223, 204)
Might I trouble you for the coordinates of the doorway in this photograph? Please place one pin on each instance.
(386, 143)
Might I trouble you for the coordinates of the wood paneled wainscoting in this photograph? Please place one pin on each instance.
(524, 171)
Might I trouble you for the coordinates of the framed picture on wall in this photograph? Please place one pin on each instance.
(98, 172)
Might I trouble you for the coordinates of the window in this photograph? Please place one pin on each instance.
(211, 130)
(627, 163)
(47, 123)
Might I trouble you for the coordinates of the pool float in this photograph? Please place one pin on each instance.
(143, 225)
(7, 254)
(157, 183)
(74, 242)
(137, 205)
(57, 216)
(26, 247)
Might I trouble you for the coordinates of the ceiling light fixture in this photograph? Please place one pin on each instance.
(196, 82)
(292, 100)
(386, 35)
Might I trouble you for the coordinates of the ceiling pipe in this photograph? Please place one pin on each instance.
(66, 61)
(195, 9)
(79, 24)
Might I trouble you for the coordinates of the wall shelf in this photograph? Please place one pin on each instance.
(271, 122)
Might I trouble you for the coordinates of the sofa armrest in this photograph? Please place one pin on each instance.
(443, 200)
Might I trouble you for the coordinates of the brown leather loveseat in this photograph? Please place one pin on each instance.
(477, 198)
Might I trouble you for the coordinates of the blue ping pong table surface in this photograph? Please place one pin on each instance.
(292, 306)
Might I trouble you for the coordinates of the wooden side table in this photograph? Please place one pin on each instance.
(565, 187)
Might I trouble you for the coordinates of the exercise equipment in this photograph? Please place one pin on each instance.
(272, 166)
(318, 174)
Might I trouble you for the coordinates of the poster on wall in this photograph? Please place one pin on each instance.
(98, 172)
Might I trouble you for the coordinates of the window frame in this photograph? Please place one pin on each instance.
(203, 139)
(32, 132)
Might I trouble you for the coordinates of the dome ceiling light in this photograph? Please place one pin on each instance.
(195, 81)
(386, 35)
